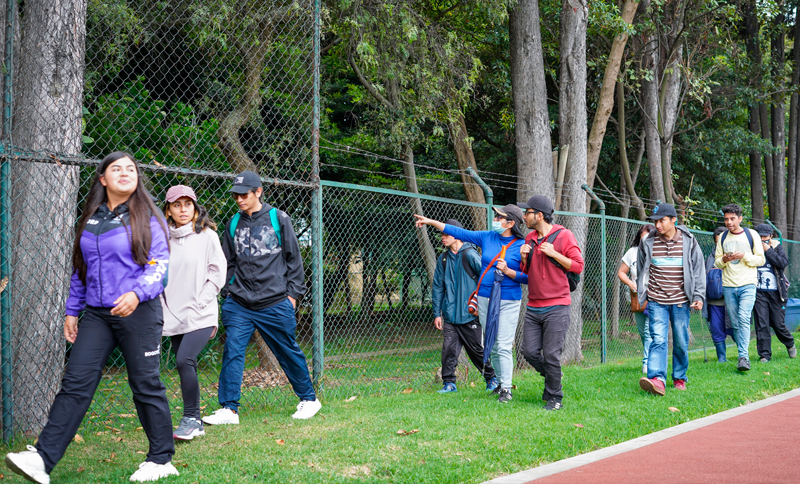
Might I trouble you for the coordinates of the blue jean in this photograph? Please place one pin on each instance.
(276, 324)
(661, 316)
(739, 302)
(643, 325)
(502, 357)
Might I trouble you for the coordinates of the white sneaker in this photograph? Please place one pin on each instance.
(223, 416)
(150, 471)
(29, 464)
(307, 409)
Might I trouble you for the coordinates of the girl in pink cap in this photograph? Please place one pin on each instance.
(196, 275)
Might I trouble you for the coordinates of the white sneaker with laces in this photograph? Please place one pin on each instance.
(150, 471)
(307, 409)
(223, 416)
(29, 464)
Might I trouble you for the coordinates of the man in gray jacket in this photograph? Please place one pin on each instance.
(454, 280)
(672, 279)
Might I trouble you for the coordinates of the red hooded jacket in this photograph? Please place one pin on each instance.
(547, 282)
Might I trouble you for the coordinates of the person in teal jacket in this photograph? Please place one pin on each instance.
(455, 278)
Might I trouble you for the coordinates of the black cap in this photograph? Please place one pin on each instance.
(539, 203)
(764, 230)
(245, 181)
(663, 210)
(454, 223)
(511, 212)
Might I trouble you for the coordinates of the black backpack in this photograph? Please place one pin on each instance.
(464, 263)
(572, 277)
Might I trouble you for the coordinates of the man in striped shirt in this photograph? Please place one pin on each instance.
(672, 280)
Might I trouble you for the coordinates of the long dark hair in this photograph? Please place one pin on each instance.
(140, 207)
(201, 218)
(649, 228)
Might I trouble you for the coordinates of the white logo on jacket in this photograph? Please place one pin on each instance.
(161, 271)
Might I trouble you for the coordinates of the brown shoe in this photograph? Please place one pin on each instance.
(652, 385)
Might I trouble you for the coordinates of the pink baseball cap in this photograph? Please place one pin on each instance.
(179, 191)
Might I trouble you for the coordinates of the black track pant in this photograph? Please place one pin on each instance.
(187, 347)
(139, 338)
(768, 313)
(470, 337)
(543, 337)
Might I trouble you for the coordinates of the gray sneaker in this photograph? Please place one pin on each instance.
(743, 365)
(189, 429)
(792, 352)
(504, 395)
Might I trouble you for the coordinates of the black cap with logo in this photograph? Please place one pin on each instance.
(663, 210)
(245, 181)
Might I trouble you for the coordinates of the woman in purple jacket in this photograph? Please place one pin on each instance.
(119, 262)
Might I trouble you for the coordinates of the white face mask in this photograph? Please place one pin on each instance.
(497, 226)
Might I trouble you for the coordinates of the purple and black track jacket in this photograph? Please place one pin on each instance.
(110, 268)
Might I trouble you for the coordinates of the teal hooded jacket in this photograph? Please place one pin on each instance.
(453, 285)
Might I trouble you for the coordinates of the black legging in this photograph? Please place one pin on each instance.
(187, 347)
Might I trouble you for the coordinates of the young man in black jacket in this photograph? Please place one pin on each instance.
(264, 281)
(771, 294)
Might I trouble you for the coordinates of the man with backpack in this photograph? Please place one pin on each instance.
(454, 280)
(714, 311)
(739, 256)
(552, 260)
(672, 280)
(771, 293)
(264, 281)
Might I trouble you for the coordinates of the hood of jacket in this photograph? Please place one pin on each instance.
(453, 286)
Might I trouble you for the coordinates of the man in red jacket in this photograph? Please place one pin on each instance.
(550, 251)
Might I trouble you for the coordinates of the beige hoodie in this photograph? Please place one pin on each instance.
(197, 269)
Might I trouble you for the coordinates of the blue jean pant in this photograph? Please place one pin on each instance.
(502, 357)
(643, 325)
(276, 324)
(661, 316)
(739, 302)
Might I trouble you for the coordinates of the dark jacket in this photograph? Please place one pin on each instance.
(262, 272)
(776, 256)
(452, 286)
(110, 268)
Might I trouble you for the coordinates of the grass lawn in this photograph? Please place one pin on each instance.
(462, 437)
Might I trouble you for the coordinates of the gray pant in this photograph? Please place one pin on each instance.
(502, 358)
(543, 337)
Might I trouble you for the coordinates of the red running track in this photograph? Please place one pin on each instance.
(757, 447)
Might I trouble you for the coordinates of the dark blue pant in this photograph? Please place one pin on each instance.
(276, 324)
(139, 339)
(716, 324)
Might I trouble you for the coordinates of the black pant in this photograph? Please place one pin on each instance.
(469, 336)
(187, 347)
(768, 313)
(139, 338)
(543, 337)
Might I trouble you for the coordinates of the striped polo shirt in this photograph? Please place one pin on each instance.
(666, 271)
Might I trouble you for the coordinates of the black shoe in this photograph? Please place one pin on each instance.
(553, 404)
(743, 365)
(505, 395)
(496, 390)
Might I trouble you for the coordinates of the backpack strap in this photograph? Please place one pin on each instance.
(467, 267)
(550, 239)
(746, 233)
(234, 223)
(273, 217)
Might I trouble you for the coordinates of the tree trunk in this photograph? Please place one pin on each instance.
(628, 181)
(777, 214)
(651, 114)
(756, 182)
(605, 102)
(766, 133)
(668, 108)
(47, 118)
(424, 241)
(572, 121)
(532, 122)
(465, 158)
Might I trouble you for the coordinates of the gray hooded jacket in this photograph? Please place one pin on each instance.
(694, 270)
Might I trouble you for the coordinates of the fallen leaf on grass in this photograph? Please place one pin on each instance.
(766, 373)
(407, 432)
(513, 387)
(127, 415)
(351, 398)
(280, 441)
(180, 464)
(580, 426)
(99, 433)
(141, 452)
(139, 428)
(117, 439)
(472, 384)
(407, 390)
(673, 409)
(78, 438)
(80, 469)
(113, 455)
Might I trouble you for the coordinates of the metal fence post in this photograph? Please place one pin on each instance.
(487, 192)
(318, 352)
(603, 284)
(6, 366)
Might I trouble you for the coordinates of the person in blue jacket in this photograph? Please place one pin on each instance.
(454, 281)
(119, 262)
(506, 232)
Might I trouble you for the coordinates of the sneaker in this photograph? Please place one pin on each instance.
(307, 409)
(679, 384)
(553, 404)
(150, 471)
(792, 352)
(223, 416)
(505, 395)
(188, 429)
(29, 464)
(491, 384)
(763, 360)
(496, 390)
(652, 385)
(743, 365)
(448, 387)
